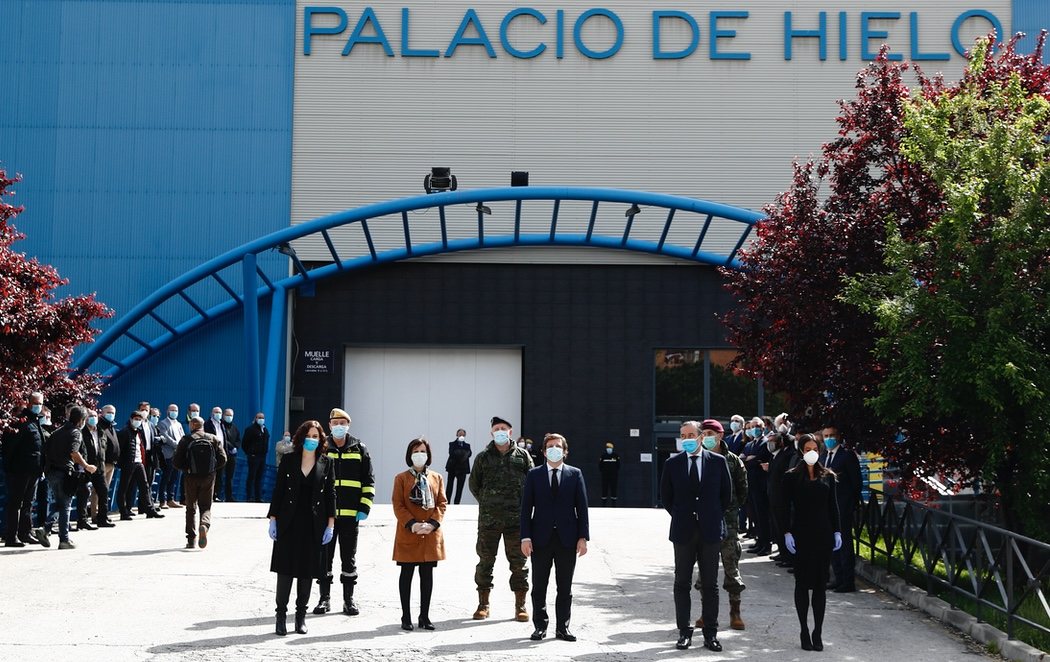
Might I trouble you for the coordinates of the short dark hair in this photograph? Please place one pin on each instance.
(557, 437)
(304, 429)
(144, 403)
(76, 416)
(412, 444)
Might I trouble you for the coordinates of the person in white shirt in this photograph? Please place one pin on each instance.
(170, 431)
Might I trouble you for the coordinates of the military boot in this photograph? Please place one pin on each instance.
(324, 605)
(482, 612)
(520, 614)
(735, 621)
(349, 606)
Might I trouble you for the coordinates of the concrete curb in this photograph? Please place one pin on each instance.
(987, 634)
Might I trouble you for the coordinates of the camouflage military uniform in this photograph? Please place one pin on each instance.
(496, 481)
(733, 583)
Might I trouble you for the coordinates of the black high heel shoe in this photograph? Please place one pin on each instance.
(807, 643)
(406, 624)
(425, 624)
(818, 645)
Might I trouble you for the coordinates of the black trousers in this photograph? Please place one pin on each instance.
(97, 482)
(133, 477)
(564, 561)
(21, 488)
(610, 486)
(224, 477)
(256, 469)
(687, 555)
(458, 480)
(284, 590)
(346, 537)
(842, 560)
(760, 512)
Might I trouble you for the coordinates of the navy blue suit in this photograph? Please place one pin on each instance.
(846, 466)
(697, 529)
(554, 524)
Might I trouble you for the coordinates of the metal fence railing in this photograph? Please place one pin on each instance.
(996, 570)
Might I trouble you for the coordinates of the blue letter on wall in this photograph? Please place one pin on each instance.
(821, 33)
(368, 16)
(505, 25)
(408, 51)
(578, 28)
(660, 54)
(866, 33)
(965, 16)
(470, 18)
(309, 30)
(717, 34)
(916, 55)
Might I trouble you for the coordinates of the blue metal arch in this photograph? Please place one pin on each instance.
(251, 291)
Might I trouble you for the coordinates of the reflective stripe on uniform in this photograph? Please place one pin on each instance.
(367, 490)
(348, 483)
(346, 513)
(365, 501)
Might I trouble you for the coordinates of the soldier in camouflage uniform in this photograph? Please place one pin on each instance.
(496, 481)
(732, 582)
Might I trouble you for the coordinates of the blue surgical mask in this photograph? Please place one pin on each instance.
(228, 419)
(554, 454)
(755, 432)
(261, 421)
(286, 439)
(154, 419)
(339, 431)
(135, 424)
(310, 444)
(501, 437)
(735, 426)
(690, 445)
(173, 415)
(831, 442)
(109, 417)
(608, 451)
(36, 409)
(92, 421)
(709, 442)
(217, 417)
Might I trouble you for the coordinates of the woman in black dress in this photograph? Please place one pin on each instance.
(811, 518)
(302, 520)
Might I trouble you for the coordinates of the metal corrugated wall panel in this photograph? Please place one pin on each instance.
(152, 136)
(368, 126)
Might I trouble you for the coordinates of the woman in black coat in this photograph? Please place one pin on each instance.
(811, 518)
(302, 520)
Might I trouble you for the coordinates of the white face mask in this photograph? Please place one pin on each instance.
(783, 429)
(461, 438)
(554, 454)
(811, 457)
(419, 460)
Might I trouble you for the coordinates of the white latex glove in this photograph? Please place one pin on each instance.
(838, 542)
(789, 542)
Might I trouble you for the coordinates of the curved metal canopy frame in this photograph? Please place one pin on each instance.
(251, 291)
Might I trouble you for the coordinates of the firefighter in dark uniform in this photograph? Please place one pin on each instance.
(351, 468)
(609, 466)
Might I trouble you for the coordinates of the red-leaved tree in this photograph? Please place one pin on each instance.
(38, 332)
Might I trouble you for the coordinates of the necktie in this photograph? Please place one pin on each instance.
(554, 483)
(694, 472)
(831, 458)
(142, 448)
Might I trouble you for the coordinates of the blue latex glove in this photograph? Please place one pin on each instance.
(361, 516)
(838, 542)
(327, 537)
(233, 451)
(789, 542)
(273, 529)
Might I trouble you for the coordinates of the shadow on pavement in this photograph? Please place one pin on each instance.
(232, 623)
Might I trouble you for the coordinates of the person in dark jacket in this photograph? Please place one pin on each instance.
(302, 520)
(63, 456)
(134, 459)
(108, 432)
(609, 467)
(846, 465)
(94, 453)
(200, 465)
(256, 444)
(782, 447)
(755, 455)
(458, 465)
(23, 466)
(810, 513)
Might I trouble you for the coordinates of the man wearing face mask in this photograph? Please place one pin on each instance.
(214, 427)
(354, 491)
(200, 456)
(609, 468)
(256, 445)
(782, 445)
(192, 412)
(107, 431)
(846, 465)
(555, 529)
(458, 465)
(150, 434)
(756, 453)
(232, 435)
(736, 440)
(92, 483)
(170, 432)
(133, 468)
(496, 482)
(696, 490)
(23, 464)
(711, 438)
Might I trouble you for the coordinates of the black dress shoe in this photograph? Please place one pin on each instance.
(843, 588)
(84, 525)
(406, 625)
(425, 624)
(104, 524)
(126, 517)
(564, 635)
(538, 634)
(818, 645)
(29, 539)
(154, 514)
(14, 543)
(711, 644)
(685, 640)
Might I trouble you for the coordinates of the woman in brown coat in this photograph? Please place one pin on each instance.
(419, 505)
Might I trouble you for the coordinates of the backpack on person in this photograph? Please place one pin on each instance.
(200, 456)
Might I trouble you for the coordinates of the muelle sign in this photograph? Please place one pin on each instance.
(858, 33)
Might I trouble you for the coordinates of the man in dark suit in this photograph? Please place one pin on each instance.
(256, 445)
(94, 453)
(554, 530)
(133, 460)
(846, 465)
(696, 489)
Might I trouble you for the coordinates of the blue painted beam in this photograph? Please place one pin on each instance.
(251, 330)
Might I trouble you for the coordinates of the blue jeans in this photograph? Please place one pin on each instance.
(169, 481)
(60, 502)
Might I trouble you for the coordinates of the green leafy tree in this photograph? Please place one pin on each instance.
(962, 306)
